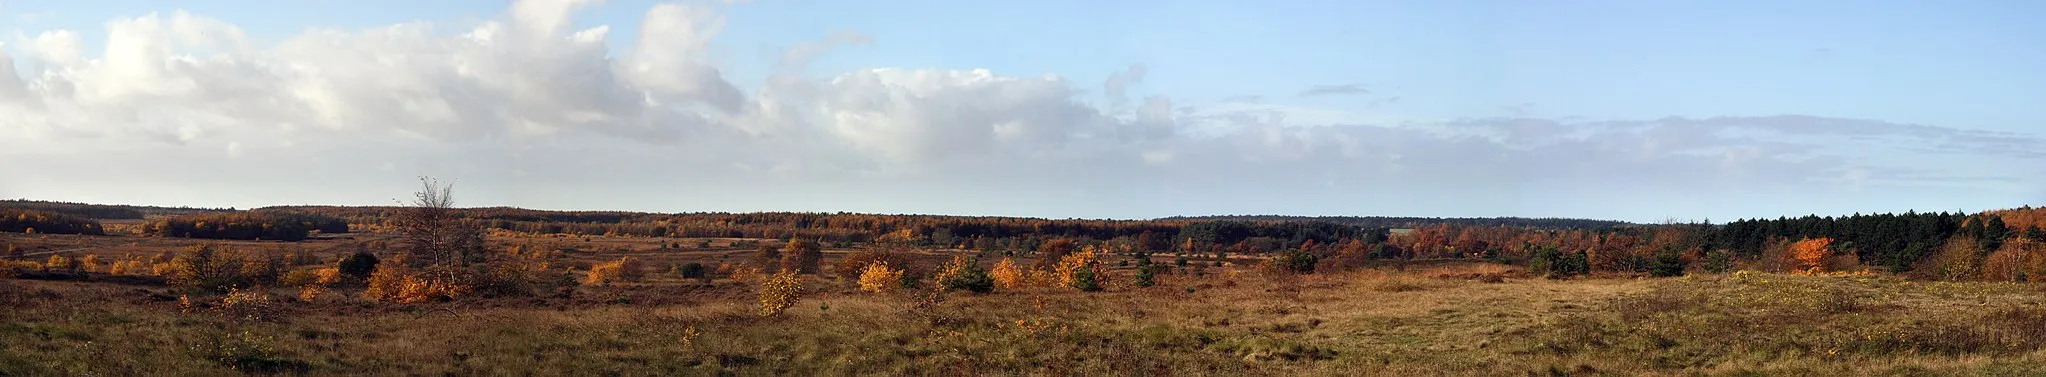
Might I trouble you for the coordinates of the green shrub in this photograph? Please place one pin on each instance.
(694, 270)
(1666, 264)
(359, 265)
(1718, 261)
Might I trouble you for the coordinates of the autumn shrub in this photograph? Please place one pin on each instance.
(1080, 271)
(515, 275)
(779, 292)
(1958, 259)
(1051, 253)
(91, 263)
(803, 256)
(625, 269)
(260, 268)
(204, 266)
(1809, 255)
(1040, 278)
(878, 278)
(15, 269)
(768, 258)
(310, 293)
(2007, 263)
(389, 279)
(63, 264)
(245, 305)
(852, 266)
(300, 277)
(1007, 275)
(963, 272)
(744, 274)
(438, 286)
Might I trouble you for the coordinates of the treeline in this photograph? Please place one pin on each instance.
(837, 227)
(1926, 245)
(17, 220)
(253, 225)
(1417, 222)
(104, 211)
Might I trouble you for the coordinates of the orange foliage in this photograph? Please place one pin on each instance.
(1810, 254)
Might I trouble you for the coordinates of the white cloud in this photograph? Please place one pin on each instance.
(530, 95)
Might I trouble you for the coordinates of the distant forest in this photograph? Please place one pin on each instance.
(1416, 222)
(105, 211)
(1994, 245)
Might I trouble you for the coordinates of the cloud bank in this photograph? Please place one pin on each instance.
(538, 112)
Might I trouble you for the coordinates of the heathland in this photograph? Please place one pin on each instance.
(433, 289)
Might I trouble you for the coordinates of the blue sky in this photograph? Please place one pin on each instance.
(1630, 110)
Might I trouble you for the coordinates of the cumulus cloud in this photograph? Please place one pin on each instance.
(540, 112)
(1118, 85)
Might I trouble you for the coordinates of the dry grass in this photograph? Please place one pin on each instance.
(1438, 321)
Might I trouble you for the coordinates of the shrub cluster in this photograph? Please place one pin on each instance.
(280, 226)
(18, 220)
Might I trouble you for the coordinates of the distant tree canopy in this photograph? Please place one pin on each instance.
(254, 225)
(1417, 222)
(1896, 241)
(18, 220)
(104, 211)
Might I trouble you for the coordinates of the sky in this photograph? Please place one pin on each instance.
(1635, 111)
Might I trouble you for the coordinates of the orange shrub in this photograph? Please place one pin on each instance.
(1810, 255)
(1007, 275)
(327, 275)
(878, 278)
(624, 269)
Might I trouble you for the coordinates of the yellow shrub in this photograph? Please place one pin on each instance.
(311, 292)
(299, 277)
(624, 269)
(127, 267)
(747, 274)
(1070, 267)
(415, 289)
(91, 263)
(327, 275)
(878, 278)
(10, 269)
(60, 263)
(779, 292)
(1007, 275)
(1040, 278)
(388, 279)
(244, 305)
(952, 269)
(602, 274)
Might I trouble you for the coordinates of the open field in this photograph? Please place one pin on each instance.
(1445, 319)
